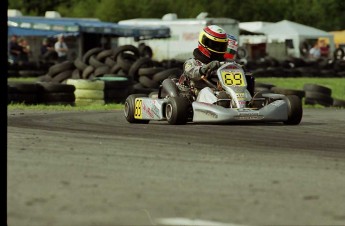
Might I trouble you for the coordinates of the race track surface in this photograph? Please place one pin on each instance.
(94, 168)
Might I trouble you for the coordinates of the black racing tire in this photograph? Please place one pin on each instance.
(130, 109)
(100, 71)
(44, 78)
(338, 103)
(145, 51)
(62, 76)
(76, 74)
(101, 56)
(89, 53)
(168, 73)
(94, 62)
(279, 90)
(115, 82)
(125, 60)
(264, 85)
(47, 98)
(115, 69)
(317, 88)
(141, 62)
(176, 110)
(126, 48)
(147, 82)
(50, 56)
(24, 87)
(318, 98)
(48, 87)
(87, 72)
(22, 98)
(79, 64)
(30, 73)
(109, 61)
(60, 67)
(295, 110)
(150, 71)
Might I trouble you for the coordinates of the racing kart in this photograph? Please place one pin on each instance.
(178, 102)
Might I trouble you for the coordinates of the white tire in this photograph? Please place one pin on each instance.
(89, 94)
(86, 84)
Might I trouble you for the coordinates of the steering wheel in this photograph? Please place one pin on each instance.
(205, 79)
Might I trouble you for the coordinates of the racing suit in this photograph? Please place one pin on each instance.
(191, 70)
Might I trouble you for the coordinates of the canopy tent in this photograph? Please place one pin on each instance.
(298, 33)
(42, 26)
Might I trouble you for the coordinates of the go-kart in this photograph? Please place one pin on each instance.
(178, 102)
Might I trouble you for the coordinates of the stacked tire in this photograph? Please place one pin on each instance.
(125, 65)
(116, 89)
(318, 94)
(58, 73)
(56, 94)
(22, 93)
(321, 95)
(285, 91)
(88, 92)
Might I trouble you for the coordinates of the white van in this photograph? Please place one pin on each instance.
(184, 34)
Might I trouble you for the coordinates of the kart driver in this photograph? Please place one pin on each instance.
(214, 46)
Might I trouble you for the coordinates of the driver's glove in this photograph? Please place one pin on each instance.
(213, 65)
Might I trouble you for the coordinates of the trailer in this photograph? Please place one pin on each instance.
(184, 34)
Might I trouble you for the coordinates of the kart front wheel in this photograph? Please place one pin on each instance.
(295, 110)
(130, 109)
(176, 110)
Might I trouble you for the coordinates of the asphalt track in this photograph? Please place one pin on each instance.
(94, 168)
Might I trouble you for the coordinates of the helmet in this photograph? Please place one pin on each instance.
(213, 42)
(231, 51)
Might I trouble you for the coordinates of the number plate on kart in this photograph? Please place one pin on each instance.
(233, 78)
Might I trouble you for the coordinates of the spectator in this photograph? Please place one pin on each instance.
(61, 48)
(45, 47)
(25, 51)
(15, 49)
(324, 49)
(315, 52)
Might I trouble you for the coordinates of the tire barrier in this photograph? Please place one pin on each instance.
(317, 94)
(87, 91)
(144, 75)
(41, 93)
(298, 67)
(312, 94)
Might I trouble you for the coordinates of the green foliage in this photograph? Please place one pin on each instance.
(328, 15)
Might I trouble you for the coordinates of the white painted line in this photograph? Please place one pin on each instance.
(194, 222)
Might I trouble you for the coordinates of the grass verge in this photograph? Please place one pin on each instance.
(336, 84)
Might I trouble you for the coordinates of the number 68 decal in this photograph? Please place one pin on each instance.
(137, 108)
(233, 78)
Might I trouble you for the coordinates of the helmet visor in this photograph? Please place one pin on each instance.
(219, 47)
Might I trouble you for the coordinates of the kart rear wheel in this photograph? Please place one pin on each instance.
(130, 109)
(295, 110)
(176, 110)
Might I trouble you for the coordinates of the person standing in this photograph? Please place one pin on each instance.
(315, 52)
(25, 50)
(15, 49)
(45, 47)
(61, 48)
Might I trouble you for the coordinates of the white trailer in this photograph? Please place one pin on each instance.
(184, 34)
